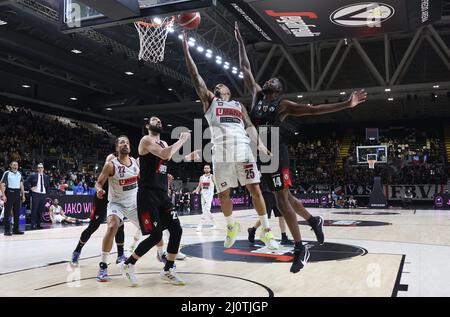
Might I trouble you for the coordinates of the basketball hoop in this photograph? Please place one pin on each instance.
(371, 163)
(152, 38)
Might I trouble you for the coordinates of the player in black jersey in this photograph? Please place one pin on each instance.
(270, 109)
(98, 216)
(269, 199)
(155, 209)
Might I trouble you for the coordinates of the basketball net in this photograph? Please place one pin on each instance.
(371, 163)
(152, 38)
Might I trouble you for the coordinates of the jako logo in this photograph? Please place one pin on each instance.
(369, 14)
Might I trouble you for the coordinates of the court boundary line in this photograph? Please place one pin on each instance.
(397, 286)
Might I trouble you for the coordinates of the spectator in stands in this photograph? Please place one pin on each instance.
(39, 183)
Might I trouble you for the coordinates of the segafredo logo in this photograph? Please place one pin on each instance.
(369, 14)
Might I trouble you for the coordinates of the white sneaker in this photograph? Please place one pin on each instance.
(232, 234)
(180, 256)
(127, 271)
(199, 228)
(269, 240)
(171, 277)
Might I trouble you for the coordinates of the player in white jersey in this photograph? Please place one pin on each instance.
(122, 174)
(233, 160)
(57, 214)
(206, 189)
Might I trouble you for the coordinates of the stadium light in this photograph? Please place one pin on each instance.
(73, 98)
(200, 49)
(387, 90)
(26, 86)
(436, 86)
(108, 109)
(390, 99)
(129, 73)
(157, 20)
(75, 51)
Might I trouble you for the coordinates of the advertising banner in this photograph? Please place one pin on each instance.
(293, 22)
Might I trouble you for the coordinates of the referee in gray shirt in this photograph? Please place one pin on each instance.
(12, 186)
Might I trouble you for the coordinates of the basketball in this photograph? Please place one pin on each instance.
(189, 21)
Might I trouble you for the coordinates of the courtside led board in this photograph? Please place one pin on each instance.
(293, 22)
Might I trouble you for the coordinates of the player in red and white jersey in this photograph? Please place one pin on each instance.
(233, 160)
(206, 189)
(122, 174)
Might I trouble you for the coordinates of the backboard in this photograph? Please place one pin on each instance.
(363, 153)
(76, 16)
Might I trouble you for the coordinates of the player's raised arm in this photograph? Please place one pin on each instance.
(164, 153)
(290, 108)
(246, 68)
(205, 95)
(108, 170)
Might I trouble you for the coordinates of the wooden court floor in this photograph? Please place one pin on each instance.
(399, 253)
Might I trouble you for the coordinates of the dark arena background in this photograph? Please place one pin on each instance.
(77, 74)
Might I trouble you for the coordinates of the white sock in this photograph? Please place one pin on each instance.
(160, 249)
(105, 257)
(264, 221)
(230, 220)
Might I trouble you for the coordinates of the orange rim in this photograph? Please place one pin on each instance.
(148, 24)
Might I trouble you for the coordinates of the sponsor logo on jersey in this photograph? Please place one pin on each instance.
(228, 112)
(295, 23)
(369, 14)
(129, 187)
(128, 181)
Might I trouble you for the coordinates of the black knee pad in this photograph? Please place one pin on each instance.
(152, 240)
(175, 238)
(91, 228)
(120, 235)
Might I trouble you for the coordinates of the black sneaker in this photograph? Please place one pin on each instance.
(316, 224)
(8, 233)
(251, 234)
(301, 256)
(286, 242)
(18, 232)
